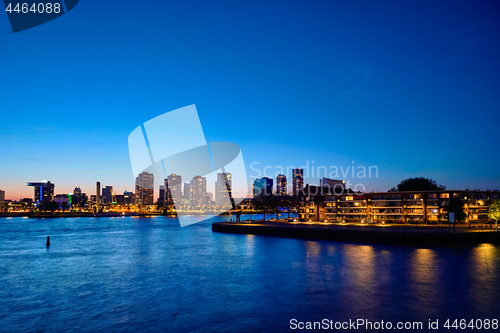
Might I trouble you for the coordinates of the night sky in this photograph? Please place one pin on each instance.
(410, 87)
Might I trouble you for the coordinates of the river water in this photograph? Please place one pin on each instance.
(133, 274)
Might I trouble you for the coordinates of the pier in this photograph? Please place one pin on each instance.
(381, 234)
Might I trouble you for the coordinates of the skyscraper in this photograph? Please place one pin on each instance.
(298, 180)
(281, 185)
(223, 190)
(44, 191)
(107, 194)
(262, 187)
(198, 190)
(144, 188)
(186, 197)
(2, 195)
(175, 187)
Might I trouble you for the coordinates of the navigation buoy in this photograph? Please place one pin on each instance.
(48, 240)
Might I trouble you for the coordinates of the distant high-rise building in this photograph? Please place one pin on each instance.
(128, 198)
(207, 199)
(120, 199)
(262, 187)
(44, 191)
(2, 195)
(187, 193)
(298, 180)
(98, 196)
(223, 190)
(107, 194)
(175, 187)
(161, 194)
(144, 188)
(281, 185)
(78, 199)
(198, 191)
(332, 184)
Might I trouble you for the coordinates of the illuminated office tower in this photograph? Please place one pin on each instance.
(44, 191)
(198, 191)
(144, 188)
(298, 180)
(281, 185)
(223, 190)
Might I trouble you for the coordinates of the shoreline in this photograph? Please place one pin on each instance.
(114, 214)
(391, 235)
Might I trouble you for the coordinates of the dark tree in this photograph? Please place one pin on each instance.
(265, 203)
(48, 206)
(160, 206)
(64, 206)
(287, 202)
(419, 184)
(456, 206)
(276, 204)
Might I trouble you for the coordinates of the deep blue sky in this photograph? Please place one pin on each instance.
(412, 88)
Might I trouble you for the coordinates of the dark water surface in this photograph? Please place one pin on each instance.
(148, 274)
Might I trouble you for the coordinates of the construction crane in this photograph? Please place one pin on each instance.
(113, 197)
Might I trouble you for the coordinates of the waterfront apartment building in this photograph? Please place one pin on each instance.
(198, 191)
(393, 207)
(223, 190)
(144, 188)
(262, 187)
(281, 185)
(44, 191)
(298, 180)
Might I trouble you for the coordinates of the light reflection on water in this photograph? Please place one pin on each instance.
(424, 282)
(143, 274)
(484, 262)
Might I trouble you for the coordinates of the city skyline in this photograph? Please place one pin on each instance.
(296, 176)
